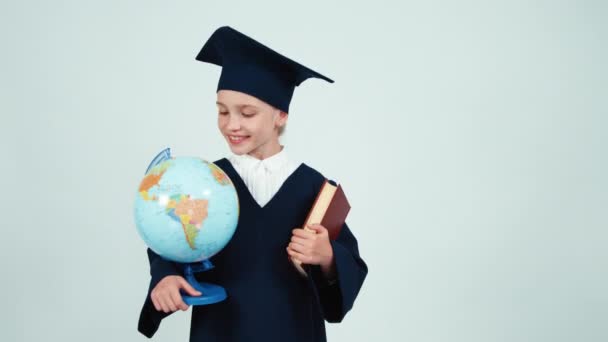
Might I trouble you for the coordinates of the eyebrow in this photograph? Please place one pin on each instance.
(242, 105)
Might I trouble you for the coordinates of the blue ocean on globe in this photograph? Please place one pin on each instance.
(186, 209)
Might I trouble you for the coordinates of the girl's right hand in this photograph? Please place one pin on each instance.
(166, 297)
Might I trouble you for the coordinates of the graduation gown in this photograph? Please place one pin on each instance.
(268, 300)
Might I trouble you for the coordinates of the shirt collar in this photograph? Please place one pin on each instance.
(271, 164)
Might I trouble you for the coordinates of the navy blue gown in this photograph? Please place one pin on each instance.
(268, 300)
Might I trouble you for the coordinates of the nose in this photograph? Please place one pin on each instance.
(234, 122)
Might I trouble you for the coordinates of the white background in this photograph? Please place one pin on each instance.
(470, 138)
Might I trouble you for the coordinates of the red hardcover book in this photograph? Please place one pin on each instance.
(329, 209)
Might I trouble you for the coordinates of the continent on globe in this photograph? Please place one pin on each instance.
(152, 179)
(219, 174)
(190, 213)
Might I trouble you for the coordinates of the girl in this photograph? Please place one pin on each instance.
(268, 300)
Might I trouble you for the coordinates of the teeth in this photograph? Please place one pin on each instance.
(236, 138)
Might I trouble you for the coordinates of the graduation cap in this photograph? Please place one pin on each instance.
(253, 68)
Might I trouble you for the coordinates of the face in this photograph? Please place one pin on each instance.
(249, 125)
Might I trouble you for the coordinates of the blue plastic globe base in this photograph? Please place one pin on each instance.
(211, 293)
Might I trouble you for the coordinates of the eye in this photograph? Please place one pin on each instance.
(222, 113)
(248, 114)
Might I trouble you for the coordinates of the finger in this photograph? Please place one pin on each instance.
(298, 248)
(302, 244)
(301, 241)
(319, 229)
(292, 258)
(303, 233)
(155, 303)
(163, 304)
(171, 304)
(167, 302)
(179, 301)
(188, 288)
(302, 258)
(299, 256)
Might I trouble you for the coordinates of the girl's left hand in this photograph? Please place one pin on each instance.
(312, 247)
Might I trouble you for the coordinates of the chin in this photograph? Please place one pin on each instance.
(239, 150)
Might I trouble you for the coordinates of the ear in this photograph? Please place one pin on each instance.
(282, 119)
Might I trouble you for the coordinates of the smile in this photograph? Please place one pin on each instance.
(236, 140)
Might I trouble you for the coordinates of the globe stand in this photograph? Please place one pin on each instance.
(210, 293)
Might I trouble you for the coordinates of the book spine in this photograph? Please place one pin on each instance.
(297, 264)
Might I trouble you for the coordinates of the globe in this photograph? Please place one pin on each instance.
(186, 209)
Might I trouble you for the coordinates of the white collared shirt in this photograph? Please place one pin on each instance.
(263, 178)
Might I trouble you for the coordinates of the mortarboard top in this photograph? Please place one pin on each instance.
(253, 68)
